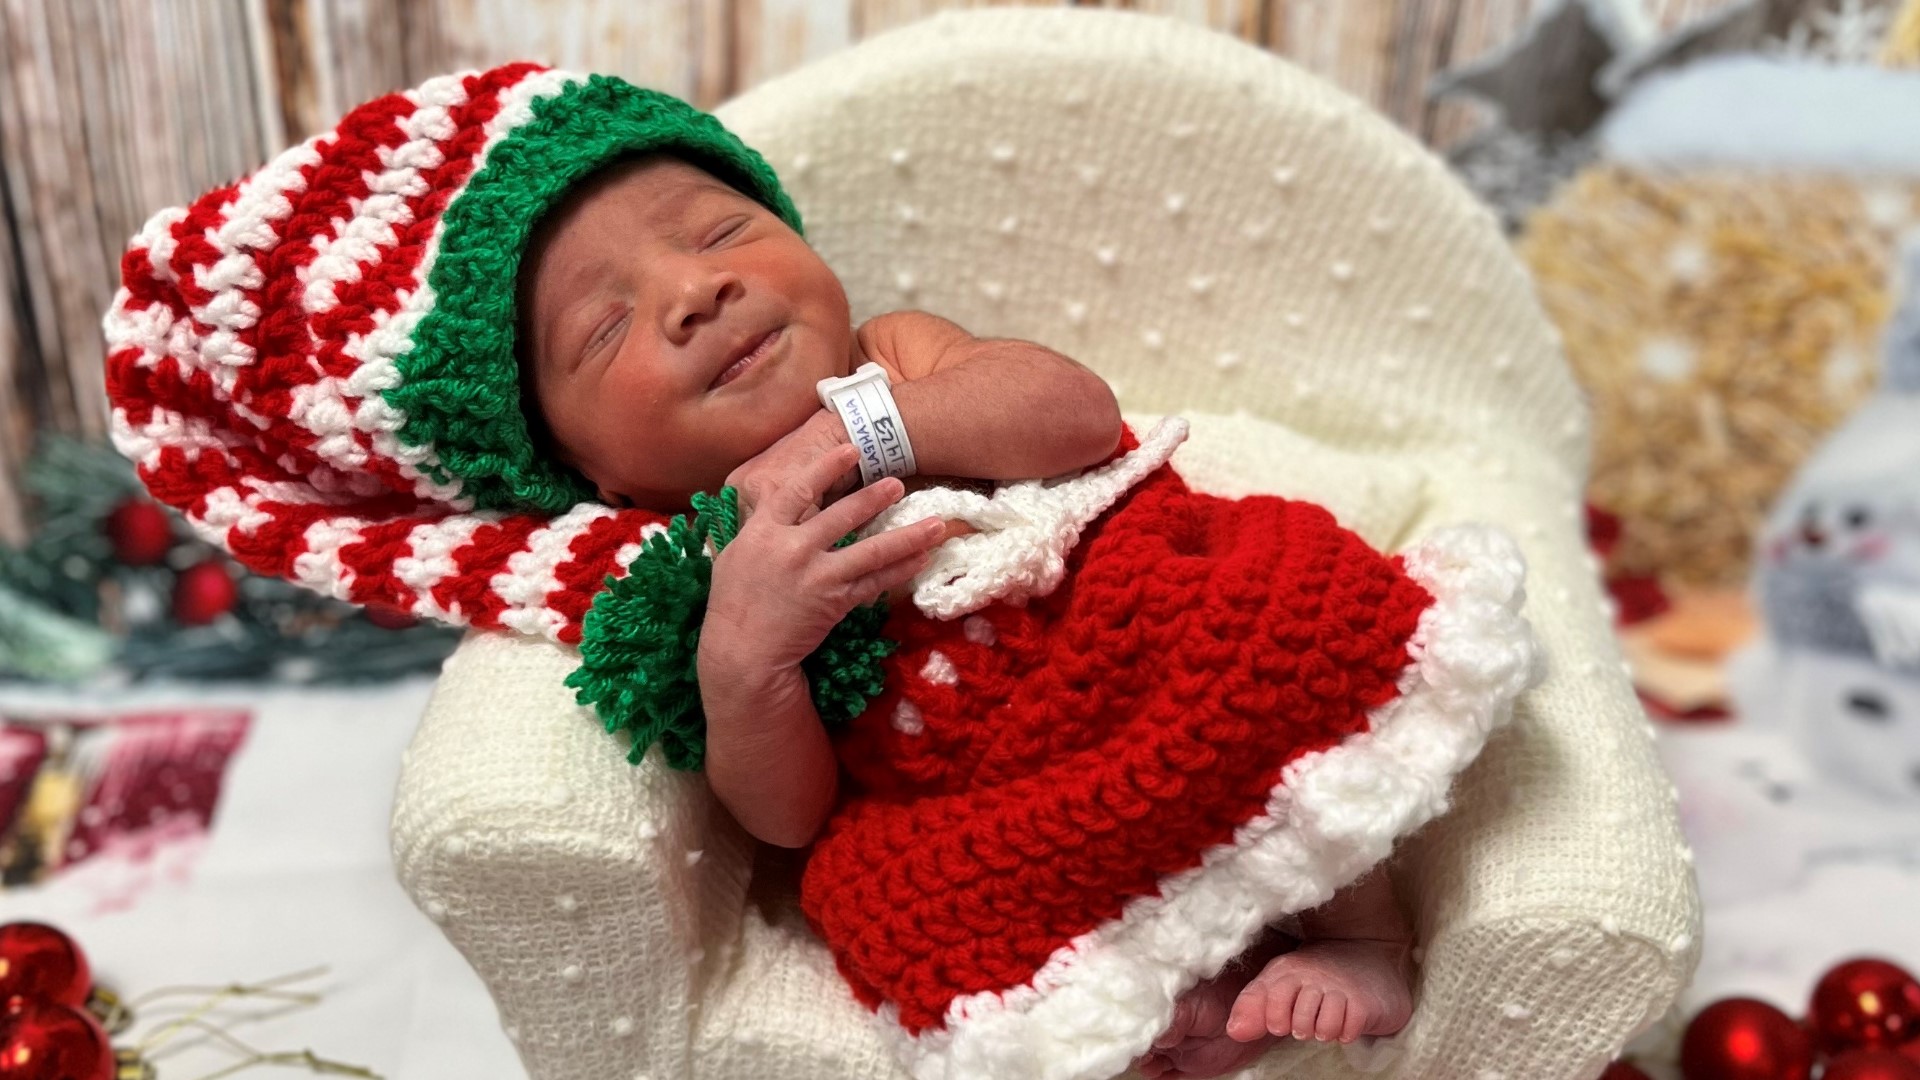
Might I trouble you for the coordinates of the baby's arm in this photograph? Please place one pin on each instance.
(994, 408)
(777, 590)
(768, 758)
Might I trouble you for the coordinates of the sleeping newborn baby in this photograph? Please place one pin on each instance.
(657, 298)
(469, 356)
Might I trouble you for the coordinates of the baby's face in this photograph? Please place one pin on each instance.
(636, 294)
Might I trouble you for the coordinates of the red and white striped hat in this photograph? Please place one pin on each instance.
(316, 365)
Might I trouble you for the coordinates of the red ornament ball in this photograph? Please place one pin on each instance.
(45, 1040)
(38, 962)
(1603, 531)
(203, 593)
(1872, 1063)
(140, 532)
(1620, 1070)
(1745, 1039)
(1864, 1002)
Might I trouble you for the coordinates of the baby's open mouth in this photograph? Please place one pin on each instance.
(741, 365)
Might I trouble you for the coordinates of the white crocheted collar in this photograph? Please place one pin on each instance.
(1026, 528)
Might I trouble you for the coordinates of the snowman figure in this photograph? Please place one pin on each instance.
(1838, 580)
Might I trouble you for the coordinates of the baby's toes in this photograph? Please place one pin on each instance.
(1306, 1008)
(1247, 1020)
(1177, 1029)
(1333, 1016)
(1356, 1021)
(1211, 1055)
(1258, 1000)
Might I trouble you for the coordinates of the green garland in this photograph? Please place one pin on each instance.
(641, 639)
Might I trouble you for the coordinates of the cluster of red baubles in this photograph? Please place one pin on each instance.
(142, 535)
(47, 1030)
(1862, 1023)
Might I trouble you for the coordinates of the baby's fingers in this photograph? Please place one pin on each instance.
(887, 549)
(790, 502)
(840, 518)
(914, 554)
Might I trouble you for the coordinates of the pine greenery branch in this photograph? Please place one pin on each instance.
(66, 585)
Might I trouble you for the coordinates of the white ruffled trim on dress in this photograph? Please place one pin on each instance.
(1099, 1002)
(1026, 528)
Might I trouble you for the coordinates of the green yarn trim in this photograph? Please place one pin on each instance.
(640, 642)
(460, 390)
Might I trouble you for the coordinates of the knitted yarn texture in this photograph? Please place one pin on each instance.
(641, 642)
(315, 365)
(1126, 730)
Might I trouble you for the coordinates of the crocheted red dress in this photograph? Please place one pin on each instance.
(1061, 813)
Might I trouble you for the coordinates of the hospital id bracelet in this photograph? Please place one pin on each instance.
(864, 402)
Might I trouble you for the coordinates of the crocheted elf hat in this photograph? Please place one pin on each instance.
(316, 364)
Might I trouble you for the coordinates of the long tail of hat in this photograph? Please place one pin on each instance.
(316, 366)
(251, 340)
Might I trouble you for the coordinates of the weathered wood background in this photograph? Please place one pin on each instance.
(112, 109)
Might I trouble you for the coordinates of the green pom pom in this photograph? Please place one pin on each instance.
(844, 673)
(640, 642)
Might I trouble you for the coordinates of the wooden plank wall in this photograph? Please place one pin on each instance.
(112, 109)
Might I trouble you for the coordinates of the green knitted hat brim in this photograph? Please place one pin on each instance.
(461, 387)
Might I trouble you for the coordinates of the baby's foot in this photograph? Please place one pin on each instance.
(1327, 989)
(1195, 1044)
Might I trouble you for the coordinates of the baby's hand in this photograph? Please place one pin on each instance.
(955, 527)
(780, 585)
(790, 457)
(794, 451)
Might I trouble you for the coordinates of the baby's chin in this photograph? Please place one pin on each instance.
(784, 385)
(747, 423)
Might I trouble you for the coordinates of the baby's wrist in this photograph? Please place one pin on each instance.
(864, 406)
(735, 663)
(829, 426)
(826, 425)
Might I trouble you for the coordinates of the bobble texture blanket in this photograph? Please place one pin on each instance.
(1124, 729)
